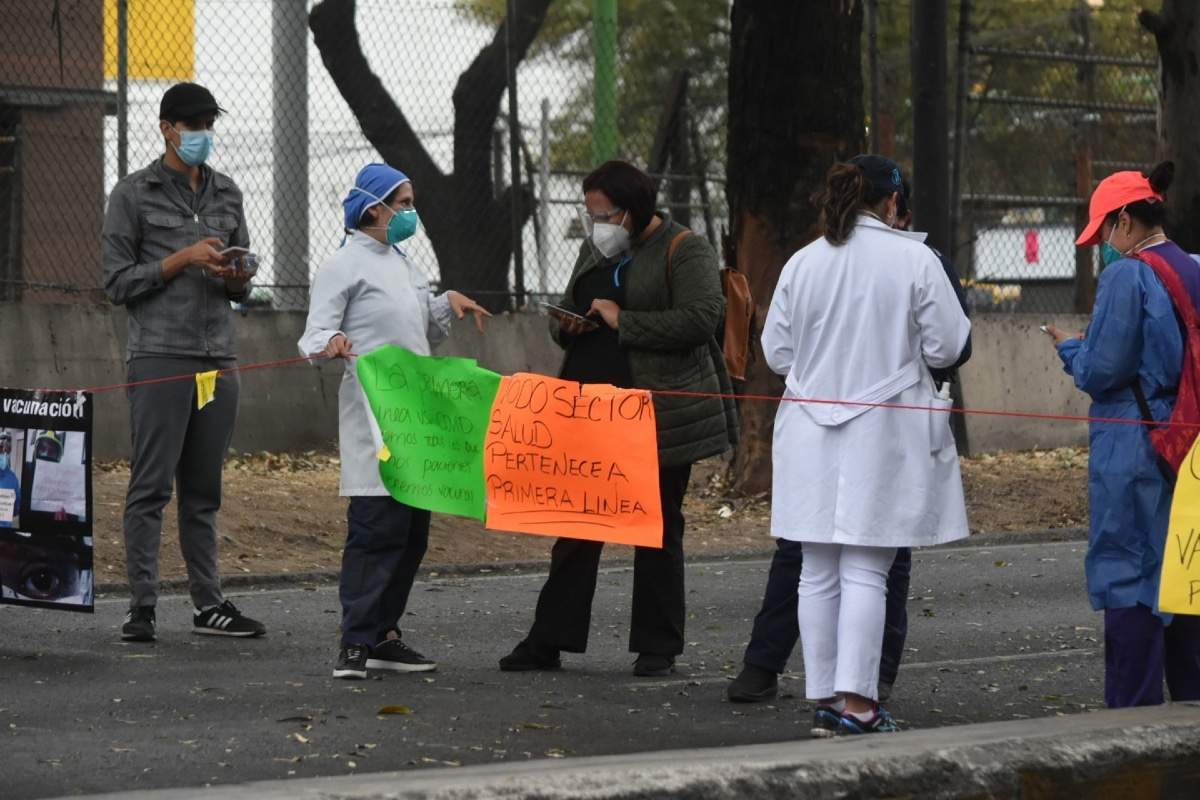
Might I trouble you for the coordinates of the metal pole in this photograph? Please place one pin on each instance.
(514, 158)
(1085, 276)
(873, 66)
(931, 178)
(289, 171)
(960, 126)
(604, 124)
(544, 198)
(122, 88)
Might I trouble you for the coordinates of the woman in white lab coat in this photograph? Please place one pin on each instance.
(366, 295)
(858, 318)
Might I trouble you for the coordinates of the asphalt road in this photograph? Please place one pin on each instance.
(996, 633)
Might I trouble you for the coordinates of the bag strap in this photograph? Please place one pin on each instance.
(679, 237)
(1168, 275)
(1183, 304)
(1143, 406)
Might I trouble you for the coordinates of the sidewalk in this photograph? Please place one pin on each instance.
(1143, 752)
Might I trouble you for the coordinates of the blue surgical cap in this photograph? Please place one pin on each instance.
(372, 185)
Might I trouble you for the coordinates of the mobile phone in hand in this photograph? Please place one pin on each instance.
(562, 314)
(234, 252)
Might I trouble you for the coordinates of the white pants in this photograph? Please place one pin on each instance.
(843, 596)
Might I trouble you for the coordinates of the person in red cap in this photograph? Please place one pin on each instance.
(1133, 345)
(164, 230)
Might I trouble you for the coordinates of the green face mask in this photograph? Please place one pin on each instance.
(402, 226)
(1109, 253)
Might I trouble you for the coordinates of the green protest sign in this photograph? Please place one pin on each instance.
(433, 415)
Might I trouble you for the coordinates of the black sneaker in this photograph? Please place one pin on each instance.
(139, 624)
(649, 665)
(753, 685)
(395, 655)
(226, 620)
(526, 656)
(352, 662)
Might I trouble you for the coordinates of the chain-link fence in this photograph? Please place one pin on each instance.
(1053, 102)
(80, 84)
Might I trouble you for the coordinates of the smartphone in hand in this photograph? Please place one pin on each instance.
(562, 314)
(234, 252)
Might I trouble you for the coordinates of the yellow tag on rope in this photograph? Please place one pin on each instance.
(206, 387)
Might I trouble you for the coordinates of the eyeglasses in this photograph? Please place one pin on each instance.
(603, 216)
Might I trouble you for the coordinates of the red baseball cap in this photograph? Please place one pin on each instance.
(1114, 193)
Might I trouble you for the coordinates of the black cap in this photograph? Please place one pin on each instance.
(881, 171)
(187, 100)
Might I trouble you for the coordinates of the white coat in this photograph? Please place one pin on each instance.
(374, 295)
(864, 322)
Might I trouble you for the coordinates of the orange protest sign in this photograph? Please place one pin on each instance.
(563, 458)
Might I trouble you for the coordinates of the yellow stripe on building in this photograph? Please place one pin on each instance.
(161, 36)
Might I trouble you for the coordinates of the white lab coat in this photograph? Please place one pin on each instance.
(864, 322)
(373, 295)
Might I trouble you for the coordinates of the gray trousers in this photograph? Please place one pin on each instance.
(174, 443)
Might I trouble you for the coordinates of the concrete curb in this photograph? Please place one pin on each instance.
(244, 581)
(1138, 752)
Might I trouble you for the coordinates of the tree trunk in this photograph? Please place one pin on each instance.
(794, 111)
(1177, 31)
(469, 226)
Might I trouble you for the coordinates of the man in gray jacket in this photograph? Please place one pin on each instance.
(164, 235)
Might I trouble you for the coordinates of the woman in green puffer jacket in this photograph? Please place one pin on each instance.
(653, 294)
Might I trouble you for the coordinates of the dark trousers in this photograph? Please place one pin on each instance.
(564, 607)
(176, 446)
(777, 629)
(385, 543)
(1139, 650)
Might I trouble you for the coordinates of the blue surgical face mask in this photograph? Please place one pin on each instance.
(5, 461)
(402, 226)
(194, 146)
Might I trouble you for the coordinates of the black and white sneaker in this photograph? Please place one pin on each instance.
(395, 655)
(352, 662)
(139, 624)
(226, 620)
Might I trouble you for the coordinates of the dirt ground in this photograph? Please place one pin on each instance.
(282, 514)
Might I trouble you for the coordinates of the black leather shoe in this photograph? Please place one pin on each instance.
(526, 656)
(753, 685)
(649, 665)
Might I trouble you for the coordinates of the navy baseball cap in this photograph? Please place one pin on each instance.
(882, 172)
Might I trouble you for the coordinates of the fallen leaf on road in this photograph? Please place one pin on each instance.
(394, 710)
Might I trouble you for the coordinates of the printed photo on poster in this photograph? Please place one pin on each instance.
(48, 571)
(11, 448)
(56, 474)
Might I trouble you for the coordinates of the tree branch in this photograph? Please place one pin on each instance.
(383, 123)
(1155, 22)
(479, 89)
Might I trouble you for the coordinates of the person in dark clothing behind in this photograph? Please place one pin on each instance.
(776, 629)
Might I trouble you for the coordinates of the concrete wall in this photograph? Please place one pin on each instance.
(294, 407)
(1015, 368)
